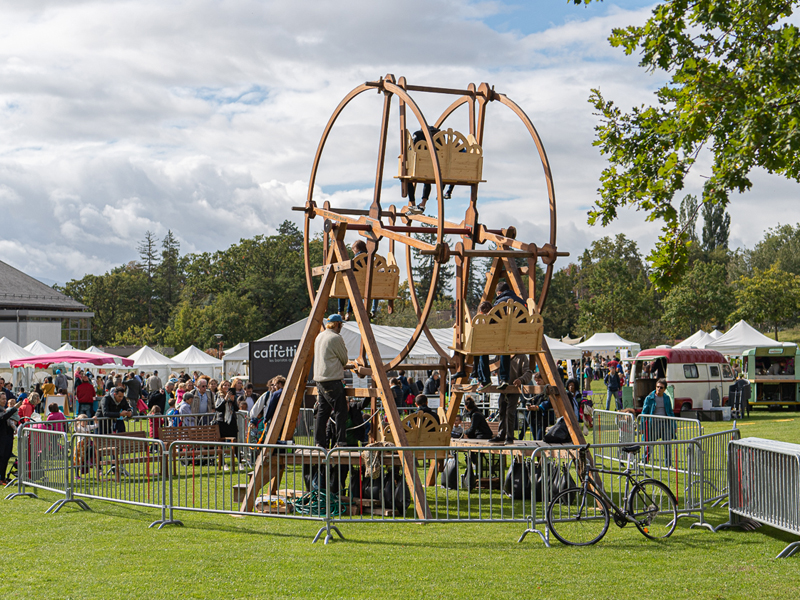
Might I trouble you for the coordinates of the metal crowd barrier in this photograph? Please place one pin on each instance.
(653, 427)
(611, 427)
(764, 480)
(510, 484)
(44, 463)
(714, 462)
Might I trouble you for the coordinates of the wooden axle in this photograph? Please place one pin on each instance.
(436, 90)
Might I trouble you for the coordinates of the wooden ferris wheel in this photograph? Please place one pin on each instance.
(435, 156)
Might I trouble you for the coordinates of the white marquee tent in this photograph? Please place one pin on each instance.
(742, 337)
(194, 359)
(10, 351)
(563, 351)
(233, 360)
(700, 339)
(147, 359)
(716, 334)
(608, 343)
(36, 348)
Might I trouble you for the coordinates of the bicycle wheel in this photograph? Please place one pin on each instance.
(653, 507)
(578, 517)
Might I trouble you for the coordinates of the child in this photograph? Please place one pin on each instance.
(55, 415)
(243, 405)
(181, 391)
(172, 411)
(458, 430)
(154, 422)
(83, 454)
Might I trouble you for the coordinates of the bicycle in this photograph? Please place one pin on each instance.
(580, 516)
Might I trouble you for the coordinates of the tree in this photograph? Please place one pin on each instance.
(701, 299)
(781, 247)
(169, 278)
(716, 228)
(769, 298)
(733, 92)
(688, 217)
(423, 271)
(137, 336)
(148, 257)
(560, 312)
(613, 289)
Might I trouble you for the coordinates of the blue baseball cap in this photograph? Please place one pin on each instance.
(335, 318)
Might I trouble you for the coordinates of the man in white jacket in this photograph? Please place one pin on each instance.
(330, 357)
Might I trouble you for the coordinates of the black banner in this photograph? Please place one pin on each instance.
(268, 359)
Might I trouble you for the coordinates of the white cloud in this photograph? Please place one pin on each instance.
(203, 117)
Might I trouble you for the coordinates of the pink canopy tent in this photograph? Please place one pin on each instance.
(72, 357)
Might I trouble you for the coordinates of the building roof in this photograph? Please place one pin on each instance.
(21, 291)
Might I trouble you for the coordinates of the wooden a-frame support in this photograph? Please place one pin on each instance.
(291, 401)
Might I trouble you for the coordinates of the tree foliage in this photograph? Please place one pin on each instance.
(701, 300)
(770, 298)
(733, 90)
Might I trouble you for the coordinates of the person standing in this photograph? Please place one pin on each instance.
(431, 387)
(160, 398)
(520, 374)
(133, 391)
(85, 394)
(330, 357)
(62, 381)
(612, 389)
(154, 383)
(8, 421)
(482, 368)
(203, 401)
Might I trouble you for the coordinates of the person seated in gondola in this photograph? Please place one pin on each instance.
(426, 188)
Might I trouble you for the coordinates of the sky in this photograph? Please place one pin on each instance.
(203, 117)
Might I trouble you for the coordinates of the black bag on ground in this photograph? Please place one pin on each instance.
(396, 495)
(558, 479)
(558, 433)
(449, 476)
(469, 480)
(365, 488)
(518, 480)
(314, 479)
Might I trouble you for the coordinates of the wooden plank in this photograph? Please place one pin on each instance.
(350, 392)
(337, 267)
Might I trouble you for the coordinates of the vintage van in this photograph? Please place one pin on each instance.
(695, 374)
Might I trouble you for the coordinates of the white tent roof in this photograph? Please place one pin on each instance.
(563, 351)
(608, 342)
(66, 346)
(235, 348)
(9, 351)
(742, 337)
(193, 358)
(716, 334)
(36, 348)
(700, 339)
(148, 359)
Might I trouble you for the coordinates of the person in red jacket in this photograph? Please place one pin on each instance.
(85, 393)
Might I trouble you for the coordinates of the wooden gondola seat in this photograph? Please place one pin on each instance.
(460, 158)
(509, 328)
(421, 430)
(385, 278)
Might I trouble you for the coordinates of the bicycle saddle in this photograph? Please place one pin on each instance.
(631, 449)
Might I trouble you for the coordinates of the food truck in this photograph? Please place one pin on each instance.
(696, 375)
(771, 372)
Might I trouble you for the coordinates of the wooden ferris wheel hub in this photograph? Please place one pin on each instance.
(437, 157)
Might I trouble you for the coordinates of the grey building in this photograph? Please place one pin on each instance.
(31, 310)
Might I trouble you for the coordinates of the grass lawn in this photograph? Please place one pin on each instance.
(110, 553)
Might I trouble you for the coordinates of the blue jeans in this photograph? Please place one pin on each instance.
(617, 402)
(344, 306)
(86, 408)
(484, 373)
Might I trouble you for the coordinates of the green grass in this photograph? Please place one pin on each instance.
(110, 553)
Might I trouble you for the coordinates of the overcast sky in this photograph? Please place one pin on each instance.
(203, 117)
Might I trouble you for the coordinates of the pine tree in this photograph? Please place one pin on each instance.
(423, 271)
(716, 227)
(149, 262)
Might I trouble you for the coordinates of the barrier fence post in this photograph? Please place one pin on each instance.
(22, 465)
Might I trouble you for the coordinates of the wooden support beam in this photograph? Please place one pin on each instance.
(382, 384)
(291, 400)
(349, 392)
(337, 267)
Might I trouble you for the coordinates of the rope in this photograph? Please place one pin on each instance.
(313, 503)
